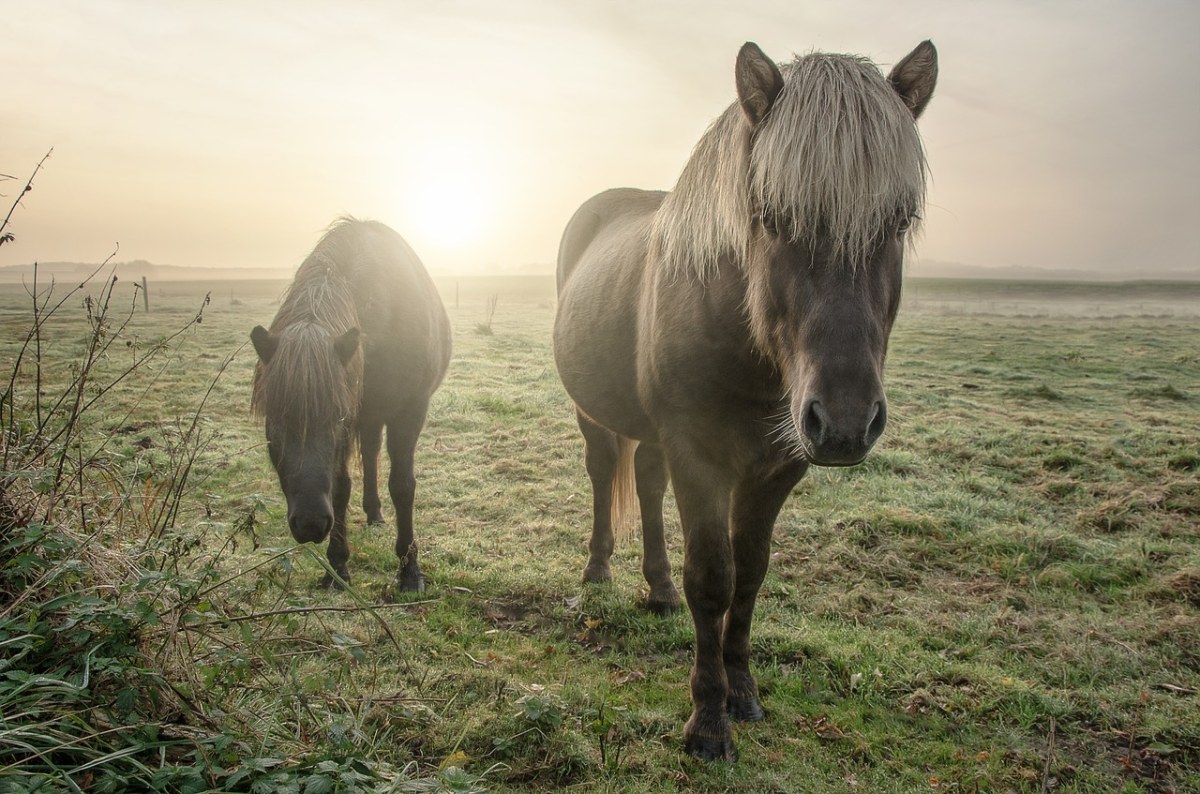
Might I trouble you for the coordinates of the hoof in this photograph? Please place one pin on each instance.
(596, 573)
(663, 601)
(707, 748)
(746, 709)
(331, 583)
(709, 739)
(375, 520)
(662, 608)
(410, 580)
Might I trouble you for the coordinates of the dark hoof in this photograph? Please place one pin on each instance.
(662, 608)
(596, 573)
(707, 748)
(375, 520)
(332, 583)
(410, 580)
(709, 739)
(663, 601)
(746, 709)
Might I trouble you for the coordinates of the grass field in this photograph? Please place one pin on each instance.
(1004, 597)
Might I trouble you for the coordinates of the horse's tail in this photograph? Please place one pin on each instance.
(624, 512)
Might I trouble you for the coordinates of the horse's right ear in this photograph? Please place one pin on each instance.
(265, 343)
(758, 81)
(346, 345)
(915, 77)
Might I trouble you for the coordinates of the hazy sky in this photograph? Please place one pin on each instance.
(1062, 134)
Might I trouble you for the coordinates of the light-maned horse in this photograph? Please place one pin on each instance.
(360, 342)
(732, 332)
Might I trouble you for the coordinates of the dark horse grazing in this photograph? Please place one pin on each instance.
(734, 332)
(360, 342)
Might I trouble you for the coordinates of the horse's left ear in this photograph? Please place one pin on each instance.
(265, 343)
(758, 81)
(915, 76)
(346, 345)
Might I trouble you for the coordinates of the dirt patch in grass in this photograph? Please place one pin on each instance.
(1039, 392)
(1183, 586)
(1184, 461)
(1182, 497)
(1128, 512)
(528, 617)
(1062, 461)
(1164, 392)
(1150, 766)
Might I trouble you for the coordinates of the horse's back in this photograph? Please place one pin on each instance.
(612, 218)
(601, 271)
(407, 337)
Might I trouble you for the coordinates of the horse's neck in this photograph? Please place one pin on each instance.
(702, 326)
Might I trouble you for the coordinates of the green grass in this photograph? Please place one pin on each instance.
(1006, 596)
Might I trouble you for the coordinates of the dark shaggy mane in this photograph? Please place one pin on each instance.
(306, 386)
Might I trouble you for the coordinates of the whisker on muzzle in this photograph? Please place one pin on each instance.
(785, 433)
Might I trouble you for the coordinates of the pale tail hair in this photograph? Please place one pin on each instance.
(625, 510)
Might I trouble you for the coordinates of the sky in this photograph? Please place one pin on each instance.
(1063, 134)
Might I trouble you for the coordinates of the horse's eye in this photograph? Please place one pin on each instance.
(904, 224)
(770, 222)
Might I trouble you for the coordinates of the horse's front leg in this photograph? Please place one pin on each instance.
(703, 492)
(338, 552)
(756, 502)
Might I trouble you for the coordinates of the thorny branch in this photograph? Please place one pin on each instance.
(7, 237)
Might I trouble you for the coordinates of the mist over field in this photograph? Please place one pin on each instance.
(1061, 137)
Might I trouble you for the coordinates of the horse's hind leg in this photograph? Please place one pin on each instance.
(651, 471)
(600, 456)
(402, 485)
(370, 439)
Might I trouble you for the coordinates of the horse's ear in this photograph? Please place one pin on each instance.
(915, 76)
(758, 82)
(346, 345)
(265, 343)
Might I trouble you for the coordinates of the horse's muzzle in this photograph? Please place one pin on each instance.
(310, 527)
(844, 438)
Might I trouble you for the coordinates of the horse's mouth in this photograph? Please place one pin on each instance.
(834, 463)
(310, 529)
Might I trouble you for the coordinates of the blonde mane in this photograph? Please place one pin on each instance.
(838, 155)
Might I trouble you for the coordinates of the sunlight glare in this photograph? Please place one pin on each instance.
(446, 197)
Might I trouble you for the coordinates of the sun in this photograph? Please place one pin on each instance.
(447, 198)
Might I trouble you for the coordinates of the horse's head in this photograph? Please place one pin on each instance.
(837, 178)
(305, 388)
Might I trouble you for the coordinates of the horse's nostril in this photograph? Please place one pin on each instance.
(877, 424)
(814, 423)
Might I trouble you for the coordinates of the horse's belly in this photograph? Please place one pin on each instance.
(595, 349)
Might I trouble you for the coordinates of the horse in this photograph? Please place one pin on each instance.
(727, 335)
(360, 342)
